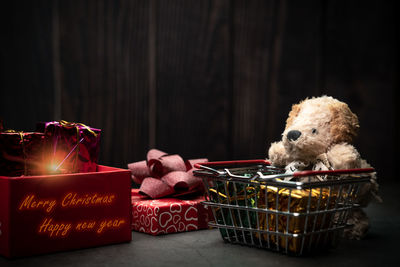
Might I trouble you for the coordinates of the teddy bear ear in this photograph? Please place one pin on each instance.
(293, 114)
(344, 125)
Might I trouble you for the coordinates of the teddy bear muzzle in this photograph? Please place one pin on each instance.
(293, 135)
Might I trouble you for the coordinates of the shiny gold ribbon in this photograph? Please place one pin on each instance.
(76, 124)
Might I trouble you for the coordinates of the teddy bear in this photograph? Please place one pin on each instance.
(318, 136)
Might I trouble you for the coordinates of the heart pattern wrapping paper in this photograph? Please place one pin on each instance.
(167, 215)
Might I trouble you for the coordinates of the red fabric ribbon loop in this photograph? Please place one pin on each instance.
(164, 175)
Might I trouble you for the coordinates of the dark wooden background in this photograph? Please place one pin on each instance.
(209, 79)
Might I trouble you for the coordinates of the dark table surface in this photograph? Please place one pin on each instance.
(206, 248)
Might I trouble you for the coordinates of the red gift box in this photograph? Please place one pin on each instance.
(73, 146)
(21, 153)
(167, 215)
(40, 214)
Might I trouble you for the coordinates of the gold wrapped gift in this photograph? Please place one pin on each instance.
(287, 223)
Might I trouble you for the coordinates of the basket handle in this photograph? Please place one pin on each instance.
(209, 166)
(333, 172)
(233, 162)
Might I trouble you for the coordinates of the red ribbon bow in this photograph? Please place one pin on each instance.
(165, 175)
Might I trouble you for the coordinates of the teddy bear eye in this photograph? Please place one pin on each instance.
(314, 131)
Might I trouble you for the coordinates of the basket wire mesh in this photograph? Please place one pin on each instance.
(258, 205)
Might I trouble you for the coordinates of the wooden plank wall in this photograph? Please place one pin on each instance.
(209, 79)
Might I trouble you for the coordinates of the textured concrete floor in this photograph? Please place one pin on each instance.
(206, 248)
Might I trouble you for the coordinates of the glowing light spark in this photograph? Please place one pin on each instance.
(72, 150)
(53, 167)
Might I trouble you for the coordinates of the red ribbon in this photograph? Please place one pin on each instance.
(164, 175)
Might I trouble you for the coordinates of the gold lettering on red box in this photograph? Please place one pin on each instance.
(60, 229)
(54, 229)
(85, 225)
(73, 199)
(110, 224)
(31, 202)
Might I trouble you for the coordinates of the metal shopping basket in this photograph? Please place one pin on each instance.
(259, 205)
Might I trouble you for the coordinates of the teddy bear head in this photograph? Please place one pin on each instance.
(316, 124)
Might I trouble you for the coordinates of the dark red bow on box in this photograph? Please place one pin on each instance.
(165, 175)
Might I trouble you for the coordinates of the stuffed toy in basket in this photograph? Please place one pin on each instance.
(318, 136)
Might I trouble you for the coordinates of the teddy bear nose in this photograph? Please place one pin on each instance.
(293, 135)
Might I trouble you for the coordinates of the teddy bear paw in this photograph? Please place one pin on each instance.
(277, 154)
(344, 156)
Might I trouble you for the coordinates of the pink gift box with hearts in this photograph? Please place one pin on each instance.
(167, 215)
